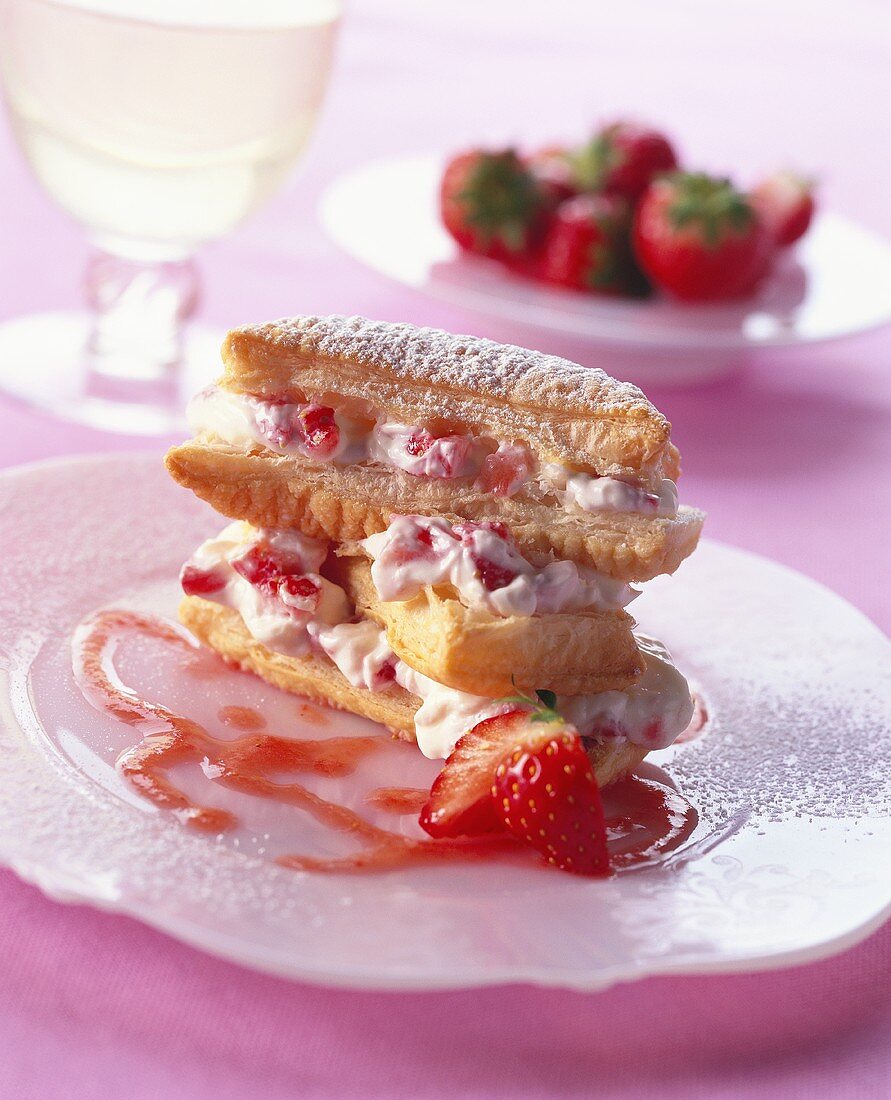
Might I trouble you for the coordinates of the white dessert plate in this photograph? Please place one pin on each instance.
(833, 284)
(788, 862)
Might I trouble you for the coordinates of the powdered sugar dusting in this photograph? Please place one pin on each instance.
(443, 359)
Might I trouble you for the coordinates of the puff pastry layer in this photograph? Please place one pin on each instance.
(348, 503)
(575, 653)
(223, 630)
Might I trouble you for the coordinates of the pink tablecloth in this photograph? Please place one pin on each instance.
(790, 460)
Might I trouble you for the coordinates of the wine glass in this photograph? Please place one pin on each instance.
(159, 125)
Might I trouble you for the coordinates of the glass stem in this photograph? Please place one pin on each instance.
(140, 309)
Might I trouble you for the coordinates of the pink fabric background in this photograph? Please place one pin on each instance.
(790, 459)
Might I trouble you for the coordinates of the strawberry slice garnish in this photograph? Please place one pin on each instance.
(460, 802)
(524, 770)
(547, 796)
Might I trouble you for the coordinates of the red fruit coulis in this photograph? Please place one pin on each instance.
(644, 820)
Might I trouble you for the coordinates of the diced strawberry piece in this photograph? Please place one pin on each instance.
(460, 802)
(303, 587)
(413, 544)
(506, 471)
(419, 443)
(201, 582)
(299, 593)
(386, 674)
(546, 794)
(492, 574)
(452, 451)
(277, 423)
(321, 435)
(259, 568)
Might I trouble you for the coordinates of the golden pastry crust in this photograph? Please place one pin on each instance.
(572, 654)
(568, 413)
(312, 676)
(348, 503)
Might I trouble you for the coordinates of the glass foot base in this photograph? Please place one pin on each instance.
(43, 362)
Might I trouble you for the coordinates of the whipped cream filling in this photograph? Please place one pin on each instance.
(278, 613)
(360, 651)
(445, 714)
(482, 563)
(417, 452)
(608, 494)
(326, 434)
(651, 713)
(270, 577)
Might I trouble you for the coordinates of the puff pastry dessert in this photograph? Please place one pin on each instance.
(428, 523)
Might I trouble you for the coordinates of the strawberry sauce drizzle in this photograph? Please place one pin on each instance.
(398, 800)
(245, 719)
(244, 764)
(644, 819)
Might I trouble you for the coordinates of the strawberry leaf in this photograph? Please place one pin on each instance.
(542, 707)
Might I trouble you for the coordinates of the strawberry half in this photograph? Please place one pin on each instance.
(460, 802)
(547, 796)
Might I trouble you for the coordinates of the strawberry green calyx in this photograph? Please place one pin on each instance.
(542, 708)
(501, 199)
(707, 203)
(593, 163)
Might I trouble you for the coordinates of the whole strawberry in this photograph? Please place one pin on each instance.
(492, 204)
(785, 202)
(699, 239)
(622, 159)
(552, 167)
(587, 247)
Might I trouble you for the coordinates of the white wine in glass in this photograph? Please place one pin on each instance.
(159, 125)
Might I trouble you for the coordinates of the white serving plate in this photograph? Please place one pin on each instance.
(788, 863)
